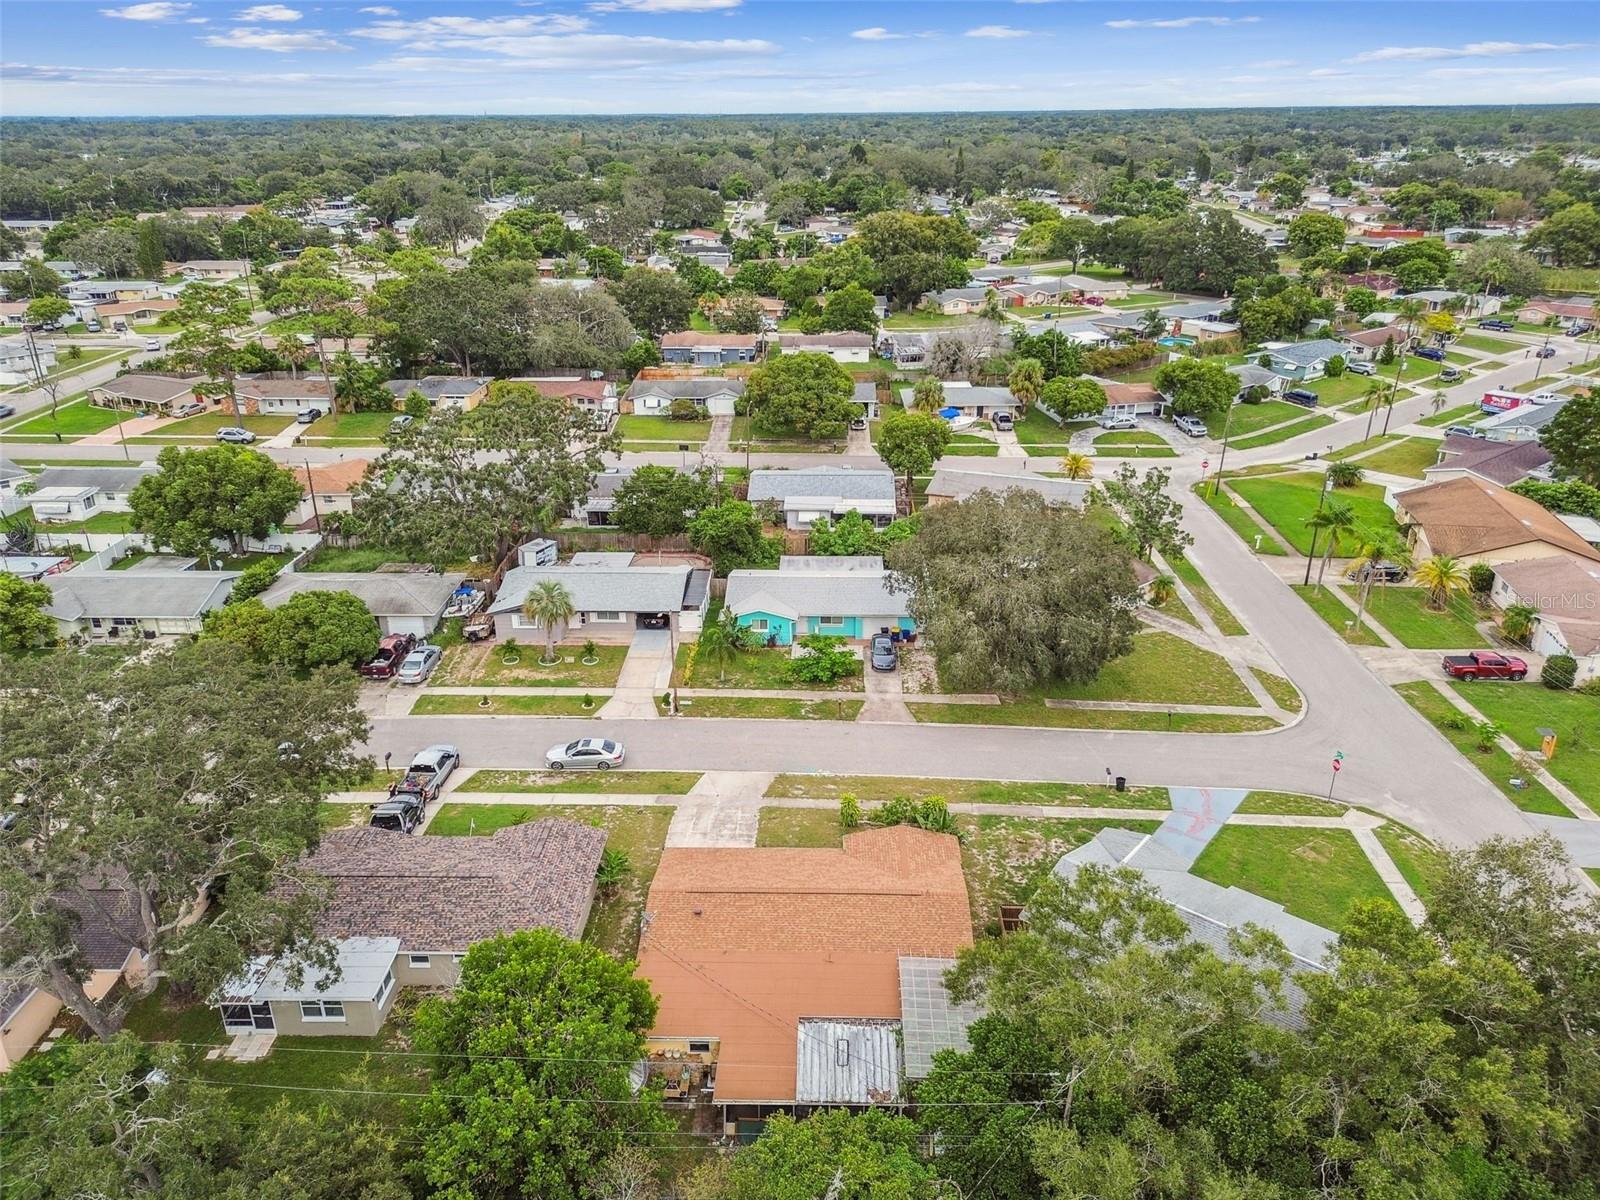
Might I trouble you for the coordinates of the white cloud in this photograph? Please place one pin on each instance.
(1470, 50)
(429, 29)
(1271, 64)
(1178, 22)
(380, 10)
(268, 12)
(663, 6)
(279, 41)
(877, 34)
(588, 51)
(997, 31)
(158, 10)
(1329, 73)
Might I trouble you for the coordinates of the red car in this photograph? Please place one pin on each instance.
(1484, 664)
(392, 651)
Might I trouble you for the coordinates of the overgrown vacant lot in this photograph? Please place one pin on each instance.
(1163, 669)
(1316, 874)
(484, 665)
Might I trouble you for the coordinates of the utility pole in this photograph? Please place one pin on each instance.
(311, 490)
(1312, 552)
(1539, 366)
(1227, 424)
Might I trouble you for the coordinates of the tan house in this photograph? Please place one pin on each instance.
(213, 270)
(266, 395)
(443, 391)
(134, 311)
(150, 393)
(403, 911)
(1473, 520)
(329, 488)
(1566, 593)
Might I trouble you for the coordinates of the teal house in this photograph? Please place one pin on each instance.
(848, 597)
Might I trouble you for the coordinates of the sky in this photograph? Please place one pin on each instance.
(529, 57)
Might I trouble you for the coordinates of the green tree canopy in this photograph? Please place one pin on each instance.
(310, 629)
(806, 394)
(1197, 386)
(869, 1155)
(731, 534)
(659, 501)
(201, 496)
(913, 253)
(911, 441)
(24, 623)
(656, 302)
(1573, 437)
(1073, 399)
(850, 308)
(1152, 518)
(1312, 232)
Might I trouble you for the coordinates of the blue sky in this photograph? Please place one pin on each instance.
(170, 57)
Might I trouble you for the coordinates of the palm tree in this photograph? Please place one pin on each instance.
(1517, 622)
(1338, 520)
(720, 639)
(1025, 381)
(1443, 576)
(1162, 589)
(1373, 547)
(1409, 311)
(548, 605)
(1077, 465)
(927, 395)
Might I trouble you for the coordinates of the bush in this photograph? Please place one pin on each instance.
(1560, 672)
(849, 811)
(1119, 358)
(1486, 732)
(825, 660)
(1255, 394)
(255, 579)
(683, 409)
(1334, 367)
(615, 866)
(1344, 474)
(1480, 578)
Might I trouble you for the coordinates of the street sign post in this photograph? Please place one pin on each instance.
(1338, 764)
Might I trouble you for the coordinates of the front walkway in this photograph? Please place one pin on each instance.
(719, 440)
(646, 674)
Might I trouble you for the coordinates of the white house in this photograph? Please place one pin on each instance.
(111, 486)
(129, 604)
(611, 596)
(1566, 591)
(844, 347)
(18, 363)
(804, 496)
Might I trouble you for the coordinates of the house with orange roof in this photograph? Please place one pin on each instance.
(1473, 520)
(792, 978)
(328, 488)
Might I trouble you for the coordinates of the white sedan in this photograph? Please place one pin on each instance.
(599, 753)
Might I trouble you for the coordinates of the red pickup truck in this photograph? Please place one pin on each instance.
(1484, 664)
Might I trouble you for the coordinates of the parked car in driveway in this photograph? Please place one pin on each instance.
(1304, 397)
(1361, 368)
(1003, 421)
(1450, 374)
(858, 423)
(419, 664)
(307, 415)
(403, 813)
(401, 421)
(426, 775)
(1193, 426)
(236, 435)
(1431, 353)
(601, 754)
(192, 409)
(392, 651)
(1484, 664)
(883, 654)
(1384, 572)
(1119, 421)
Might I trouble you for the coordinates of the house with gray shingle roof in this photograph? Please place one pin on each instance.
(444, 391)
(1301, 361)
(401, 601)
(810, 493)
(403, 910)
(654, 397)
(612, 598)
(131, 604)
(112, 485)
(951, 485)
(850, 597)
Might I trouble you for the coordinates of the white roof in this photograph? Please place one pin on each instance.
(847, 1062)
(362, 963)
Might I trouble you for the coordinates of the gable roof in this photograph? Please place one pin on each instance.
(844, 483)
(688, 339)
(691, 389)
(441, 893)
(102, 479)
(1499, 462)
(1305, 354)
(812, 591)
(1471, 516)
(152, 595)
(1374, 339)
(304, 388)
(741, 944)
(807, 341)
(438, 387)
(152, 389)
(600, 587)
(333, 479)
(570, 389)
(957, 484)
(1564, 590)
(385, 593)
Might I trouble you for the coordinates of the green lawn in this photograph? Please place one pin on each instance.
(432, 704)
(1133, 437)
(1236, 518)
(469, 665)
(1037, 429)
(1244, 419)
(743, 431)
(358, 426)
(925, 320)
(749, 669)
(1420, 861)
(103, 522)
(1522, 709)
(662, 429)
(73, 418)
(1280, 689)
(871, 789)
(1340, 389)
(1163, 669)
(1403, 612)
(1036, 713)
(638, 831)
(354, 558)
(1496, 765)
(1452, 416)
(1289, 804)
(809, 828)
(776, 708)
(1273, 436)
(1316, 874)
(1185, 570)
(643, 783)
(207, 424)
(1286, 501)
(1405, 457)
(1571, 279)
(976, 448)
(1338, 616)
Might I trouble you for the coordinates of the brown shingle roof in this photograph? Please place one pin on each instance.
(151, 389)
(330, 479)
(569, 389)
(1565, 590)
(444, 893)
(1470, 516)
(1499, 462)
(283, 389)
(740, 944)
(1130, 393)
(1375, 339)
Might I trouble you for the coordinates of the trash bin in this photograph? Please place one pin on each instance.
(1122, 783)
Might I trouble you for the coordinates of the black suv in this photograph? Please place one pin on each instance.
(403, 813)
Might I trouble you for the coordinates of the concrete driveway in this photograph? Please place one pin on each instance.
(646, 673)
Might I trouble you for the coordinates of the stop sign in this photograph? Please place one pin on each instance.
(1205, 464)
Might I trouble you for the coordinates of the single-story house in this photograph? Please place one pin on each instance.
(1503, 463)
(1443, 299)
(126, 604)
(799, 978)
(443, 391)
(951, 485)
(595, 509)
(848, 597)
(969, 399)
(1525, 422)
(1211, 911)
(599, 396)
(105, 939)
(1476, 521)
(114, 291)
(698, 239)
(654, 397)
(906, 348)
(1364, 345)
(214, 270)
(147, 393)
(1566, 591)
(1382, 284)
(270, 396)
(404, 910)
(1253, 375)
(111, 485)
(806, 494)
(845, 347)
(1132, 399)
(133, 312)
(710, 349)
(612, 597)
(11, 475)
(1085, 285)
(329, 488)
(1574, 308)
(34, 567)
(865, 393)
(23, 360)
(57, 505)
(955, 302)
(401, 601)
(1302, 361)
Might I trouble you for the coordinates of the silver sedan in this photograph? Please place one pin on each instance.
(600, 753)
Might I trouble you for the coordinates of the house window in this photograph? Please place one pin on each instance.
(759, 624)
(388, 986)
(322, 1010)
(830, 620)
(699, 1047)
(608, 616)
(124, 621)
(88, 501)
(420, 962)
